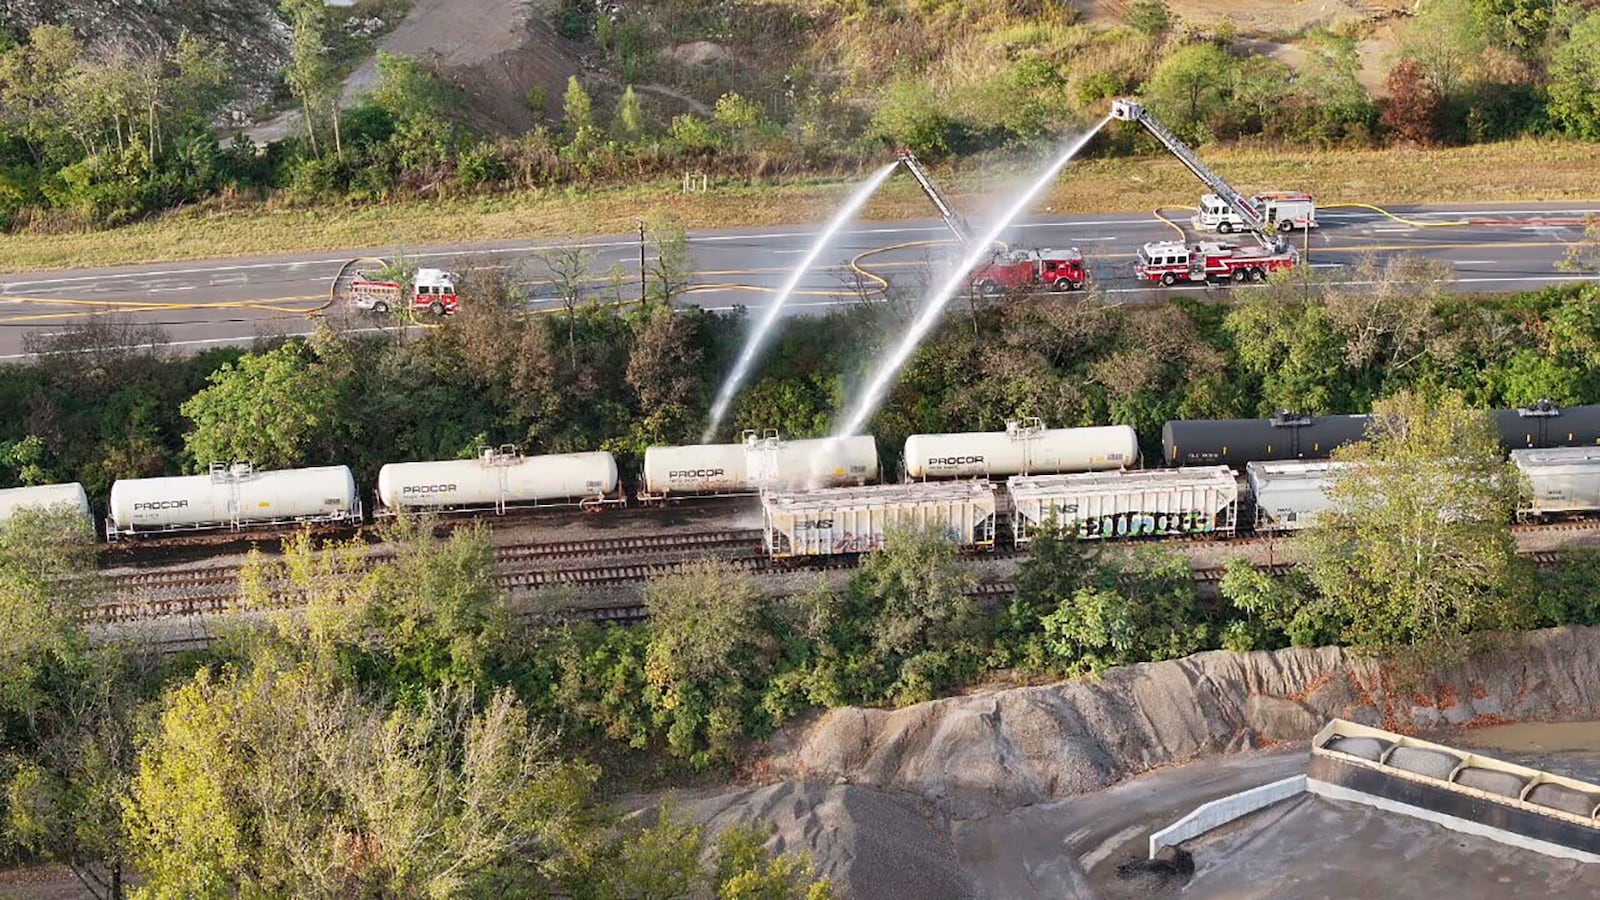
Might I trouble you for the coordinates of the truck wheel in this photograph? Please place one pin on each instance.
(381, 308)
(1258, 274)
(436, 308)
(1064, 284)
(1225, 227)
(988, 287)
(1241, 275)
(1169, 279)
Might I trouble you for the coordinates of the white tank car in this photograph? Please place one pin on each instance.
(1290, 494)
(1024, 448)
(1101, 505)
(759, 463)
(499, 479)
(44, 496)
(695, 469)
(1564, 480)
(230, 497)
(832, 521)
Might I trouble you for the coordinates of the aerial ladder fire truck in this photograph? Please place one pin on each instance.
(1007, 269)
(1171, 262)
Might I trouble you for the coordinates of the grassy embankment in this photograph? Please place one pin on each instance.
(1517, 170)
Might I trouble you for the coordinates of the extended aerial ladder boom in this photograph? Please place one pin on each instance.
(1134, 111)
(955, 223)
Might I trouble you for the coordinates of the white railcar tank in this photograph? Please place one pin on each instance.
(230, 496)
(496, 478)
(1022, 449)
(44, 496)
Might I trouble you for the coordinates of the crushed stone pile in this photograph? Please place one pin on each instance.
(977, 754)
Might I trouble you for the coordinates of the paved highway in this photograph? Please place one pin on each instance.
(1501, 247)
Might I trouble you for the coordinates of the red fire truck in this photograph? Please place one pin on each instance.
(1006, 270)
(433, 291)
(1056, 270)
(1171, 262)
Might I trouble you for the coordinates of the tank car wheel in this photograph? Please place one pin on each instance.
(436, 308)
(1169, 279)
(1225, 227)
(1258, 274)
(381, 308)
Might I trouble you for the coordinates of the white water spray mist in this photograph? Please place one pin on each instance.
(934, 306)
(758, 337)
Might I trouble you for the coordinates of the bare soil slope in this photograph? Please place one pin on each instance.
(496, 51)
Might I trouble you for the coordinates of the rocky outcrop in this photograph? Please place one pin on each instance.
(975, 754)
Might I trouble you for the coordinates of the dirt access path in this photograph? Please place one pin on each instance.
(497, 52)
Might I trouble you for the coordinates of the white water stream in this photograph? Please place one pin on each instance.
(758, 338)
(933, 308)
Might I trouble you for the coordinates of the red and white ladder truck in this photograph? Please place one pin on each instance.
(1172, 262)
(1007, 269)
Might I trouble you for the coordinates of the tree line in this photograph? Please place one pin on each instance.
(95, 137)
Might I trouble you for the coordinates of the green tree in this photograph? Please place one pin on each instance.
(577, 109)
(1575, 79)
(665, 372)
(1189, 89)
(1150, 18)
(410, 91)
(428, 617)
(911, 117)
(275, 783)
(1417, 548)
(274, 410)
(630, 115)
(904, 628)
(1139, 609)
(710, 652)
(47, 577)
(1277, 609)
(310, 73)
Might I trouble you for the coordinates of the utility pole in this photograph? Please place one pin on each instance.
(642, 290)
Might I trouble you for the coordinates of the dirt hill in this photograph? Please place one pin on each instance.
(903, 797)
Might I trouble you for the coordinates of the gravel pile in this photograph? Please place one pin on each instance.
(1492, 781)
(1422, 761)
(976, 754)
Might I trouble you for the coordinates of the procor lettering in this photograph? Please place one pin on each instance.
(427, 489)
(955, 460)
(161, 504)
(696, 473)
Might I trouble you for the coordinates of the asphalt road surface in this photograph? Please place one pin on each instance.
(1490, 247)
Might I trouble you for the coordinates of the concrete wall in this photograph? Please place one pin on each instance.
(1220, 812)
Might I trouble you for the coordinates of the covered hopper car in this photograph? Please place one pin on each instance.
(1025, 448)
(45, 496)
(1289, 494)
(499, 480)
(232, 497)
(1558, 481)
(1105, 505)
(834, 521)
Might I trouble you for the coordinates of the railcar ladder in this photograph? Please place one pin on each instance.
(954, 222)
(1134, 111)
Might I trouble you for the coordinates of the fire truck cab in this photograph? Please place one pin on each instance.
(1057, 270)
(433, 291)
(1287, 210)
(1171, 262)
